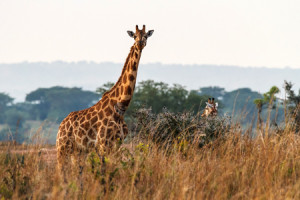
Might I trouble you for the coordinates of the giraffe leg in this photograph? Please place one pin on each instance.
(61, 165)
(100, 149)
(78, 163)
(124, 130)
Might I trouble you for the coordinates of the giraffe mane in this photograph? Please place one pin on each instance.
(123, 71)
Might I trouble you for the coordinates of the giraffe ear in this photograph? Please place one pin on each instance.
(149, 33)
(130, 33)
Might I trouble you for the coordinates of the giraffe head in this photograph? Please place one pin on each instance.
(211, 108)
(140, 36)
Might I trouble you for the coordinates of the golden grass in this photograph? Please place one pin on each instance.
(232, 167)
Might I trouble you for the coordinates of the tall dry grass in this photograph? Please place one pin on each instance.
(234, 165)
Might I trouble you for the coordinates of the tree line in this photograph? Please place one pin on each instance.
(55, 103)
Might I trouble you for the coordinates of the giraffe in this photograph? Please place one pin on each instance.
(211, 108)
(101, 126)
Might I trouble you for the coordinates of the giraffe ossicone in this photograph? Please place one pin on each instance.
(100, 126)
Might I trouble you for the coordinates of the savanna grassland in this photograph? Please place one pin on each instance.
(170, 157)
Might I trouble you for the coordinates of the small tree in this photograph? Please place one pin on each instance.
(268, 99)
(259, 104)
(293, 102)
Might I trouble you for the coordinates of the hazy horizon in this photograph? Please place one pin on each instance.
(21, 78)
(120, 63)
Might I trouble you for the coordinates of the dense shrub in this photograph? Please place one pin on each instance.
(167, 128)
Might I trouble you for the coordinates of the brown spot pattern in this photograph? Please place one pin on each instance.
(116, 117)
(134, 66)
(101, 115)
(105, 121)
(94, 120)
(108, 111)
(113, 102)
(85, 141)
(82, 120)
(86, 125)
(109, 131)
(68, 125)
(105, 103)
(80, 133)
(131, 77)
(124, 78)
(126, 102)
(92, 134)
(128, 90)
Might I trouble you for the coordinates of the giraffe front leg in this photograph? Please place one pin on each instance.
(122, 131)
(100, 150)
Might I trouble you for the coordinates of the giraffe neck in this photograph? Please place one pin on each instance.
(122, 91)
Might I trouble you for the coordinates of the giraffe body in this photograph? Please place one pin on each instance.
(100, 126)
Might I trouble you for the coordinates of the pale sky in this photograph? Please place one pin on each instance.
(228, 32)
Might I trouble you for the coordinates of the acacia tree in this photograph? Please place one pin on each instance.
(5, 100)
(56, 102)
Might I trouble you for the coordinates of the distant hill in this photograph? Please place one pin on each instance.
(21, 78)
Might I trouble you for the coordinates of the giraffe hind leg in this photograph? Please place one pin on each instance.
(62, 161)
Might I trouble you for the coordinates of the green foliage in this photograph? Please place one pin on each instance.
(259, 103)
(159, 95)
(270, 95)
(293, 99)
(268, 98)
(195, 102)
(14, 118)
(152, 94)
(56, 102)
(5, 100)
